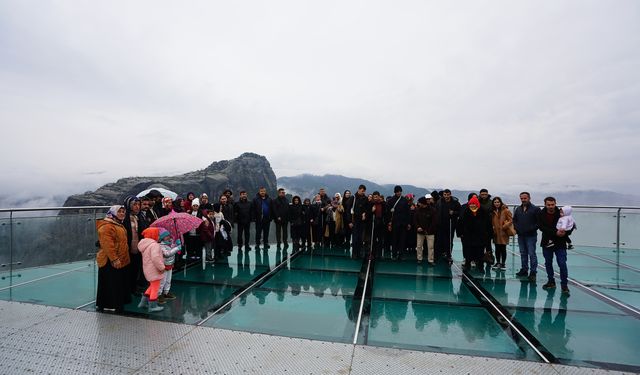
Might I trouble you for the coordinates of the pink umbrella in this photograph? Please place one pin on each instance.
(178, 223)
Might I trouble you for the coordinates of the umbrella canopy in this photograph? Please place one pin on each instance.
(178, 223)
(163, 191)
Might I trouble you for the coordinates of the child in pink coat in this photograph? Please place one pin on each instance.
(153, 267)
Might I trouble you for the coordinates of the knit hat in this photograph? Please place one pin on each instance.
(474, 200)
(163, 234)
(152, 233)
(195, 202)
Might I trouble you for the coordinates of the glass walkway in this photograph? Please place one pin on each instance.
(327, 294)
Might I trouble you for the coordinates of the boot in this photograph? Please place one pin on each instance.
(144, 302)
(153, 306)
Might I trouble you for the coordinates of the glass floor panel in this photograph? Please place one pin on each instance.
(22, 275)
(435, 327)
(315, 282)
(630, 297)
(604, 275)
(422, 288)
(523, 294)
(70, 290)
(317, 262)
(413, 268)
(221, 273)
(580, 337)
(627, 256)
(304, 315)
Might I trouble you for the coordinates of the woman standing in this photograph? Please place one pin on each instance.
(501, 219)
(347, 204)
(113, 262)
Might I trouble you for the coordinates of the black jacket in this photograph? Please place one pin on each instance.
(475, 230)
(549, 231)
(242, 212)
(297, 214)
(427, 219)
(228, 212)
(347, 203)
(398, 211)
(443, 208)
(361, 206)
(257, 213)
(526, 222)
(281, 209)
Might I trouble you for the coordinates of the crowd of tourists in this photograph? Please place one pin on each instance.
(135, 259)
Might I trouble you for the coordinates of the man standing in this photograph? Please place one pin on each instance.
(281, 216)
(262, 212)
(525, 221)
(242, 212)
(554, 242)
(226, 207)
(399, 221)
(448, 211)
(359, 215)
(425, 222)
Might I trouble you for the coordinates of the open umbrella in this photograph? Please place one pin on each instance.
(178, 223)
(163, 191)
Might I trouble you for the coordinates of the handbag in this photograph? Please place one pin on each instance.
(489, 258)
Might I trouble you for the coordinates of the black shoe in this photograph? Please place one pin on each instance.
(522, 272)
(549, 285)
(532, 276)
(266, 246)
(565, 291)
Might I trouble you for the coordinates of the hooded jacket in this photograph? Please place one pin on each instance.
(113, 243)
(152, 259)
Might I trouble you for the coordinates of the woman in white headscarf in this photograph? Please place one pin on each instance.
(113, 261)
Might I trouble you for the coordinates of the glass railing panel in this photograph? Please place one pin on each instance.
(595, 227)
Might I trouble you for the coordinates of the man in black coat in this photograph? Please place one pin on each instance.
(554, 242)
(448, 211)
(398, 222)
(360, 214)
(242, 219)
(262, 214)
(281, 218)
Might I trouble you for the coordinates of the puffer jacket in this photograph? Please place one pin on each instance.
(152, 259)
(113, 243)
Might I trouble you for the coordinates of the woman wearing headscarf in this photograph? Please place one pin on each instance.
(347, 204)
(113, 261)
(132, 225)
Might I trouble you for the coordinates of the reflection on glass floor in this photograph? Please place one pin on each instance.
(316, 294)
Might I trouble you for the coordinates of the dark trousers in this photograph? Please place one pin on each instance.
(262, 231)
(297, 233)
(243, 233)
(501, 253)
(399, 238)
(561, 259)
(281, 231)
(377, 241)
(357, 236)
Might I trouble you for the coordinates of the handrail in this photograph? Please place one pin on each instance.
(513, 205)
(27, 209)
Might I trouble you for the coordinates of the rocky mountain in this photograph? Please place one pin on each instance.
(247, 172)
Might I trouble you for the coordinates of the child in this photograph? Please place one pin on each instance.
(566, 222)
(169, 255)
(153, 267)
(222, 241)
(207, 234)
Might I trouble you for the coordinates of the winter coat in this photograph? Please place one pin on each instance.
(281, 209)
(113, 243)
(347, 203)
(169, 255)
(501, 220)
(526, 222)
(361, 206)
(444, 217)
(228, 212)
(152, 259)
(257, 212)
(398, 211)
(242, 212)
(549, 230)
(475, 230)
(207, 232)
(427, 219)
(297, 214)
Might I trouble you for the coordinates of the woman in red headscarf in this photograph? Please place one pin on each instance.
(475, 231)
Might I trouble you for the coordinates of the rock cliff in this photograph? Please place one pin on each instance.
(247, 172)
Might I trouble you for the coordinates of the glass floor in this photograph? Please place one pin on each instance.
(317, 294)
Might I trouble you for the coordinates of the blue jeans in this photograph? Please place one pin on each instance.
(561, 259)
(527, 245)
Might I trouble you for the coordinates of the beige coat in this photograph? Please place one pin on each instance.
(501, 220)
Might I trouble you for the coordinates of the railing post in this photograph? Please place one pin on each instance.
(618, 246)
(10, 252)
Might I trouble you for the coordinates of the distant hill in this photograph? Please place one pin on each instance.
(307, 185)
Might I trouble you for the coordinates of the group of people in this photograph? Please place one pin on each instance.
(368, 223)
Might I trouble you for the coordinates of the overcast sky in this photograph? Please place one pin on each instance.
(464, 94)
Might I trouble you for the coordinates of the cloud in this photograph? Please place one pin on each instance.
(464, 95)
